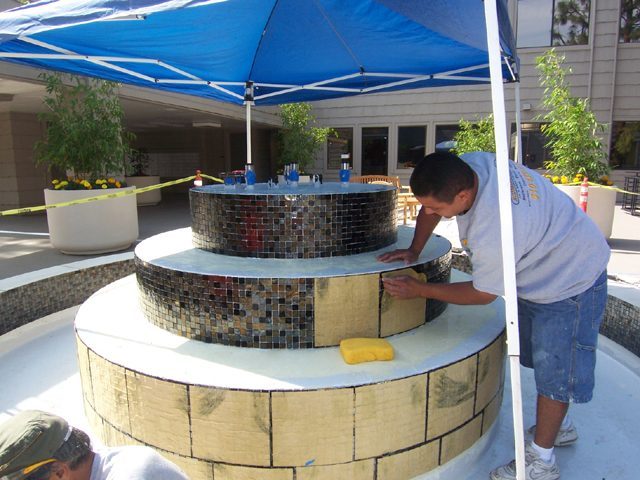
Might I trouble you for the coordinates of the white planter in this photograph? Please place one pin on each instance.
(600, 205)
(96, 227)
(152, 197)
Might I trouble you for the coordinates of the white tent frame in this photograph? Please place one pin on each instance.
(502, 155)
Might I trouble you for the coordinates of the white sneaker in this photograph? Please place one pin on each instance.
(535, 468)
(566, 436)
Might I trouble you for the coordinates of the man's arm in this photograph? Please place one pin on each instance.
(425, 224)
(460, 293)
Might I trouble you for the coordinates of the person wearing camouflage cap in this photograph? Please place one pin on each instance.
(36, 445)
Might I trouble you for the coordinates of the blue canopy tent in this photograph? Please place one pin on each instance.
(277, 51)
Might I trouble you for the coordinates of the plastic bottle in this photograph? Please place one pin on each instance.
(345, 174)
(249, 176)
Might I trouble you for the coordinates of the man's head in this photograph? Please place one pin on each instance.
(36, 445)
(444, 184)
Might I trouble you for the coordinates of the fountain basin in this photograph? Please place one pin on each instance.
(230, 412)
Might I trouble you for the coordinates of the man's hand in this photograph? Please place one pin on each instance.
(405, 254)
(403, 287)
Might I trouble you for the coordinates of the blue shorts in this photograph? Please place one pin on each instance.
(558, 340)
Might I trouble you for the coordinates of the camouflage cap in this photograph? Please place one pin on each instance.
(29, 438)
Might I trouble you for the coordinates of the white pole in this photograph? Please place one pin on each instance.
(518, 155)
(248, 104)
(506, 228)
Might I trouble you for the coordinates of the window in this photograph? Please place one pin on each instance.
(625, 147)
(534, 151)
(629, 21)
(337, 145)
(544, 23)
(411, 142)
(445, 135)
(374, 150)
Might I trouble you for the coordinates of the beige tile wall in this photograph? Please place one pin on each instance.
(231, 426)
(110, 392)
(451, 396)
(390, 416)
(410, 463)
(490, 372)
(312, 426)
(358, 470)
(345, 307)
(237, 472)
(401, 315)
(159, 412)
(371, 432)
(459, 440)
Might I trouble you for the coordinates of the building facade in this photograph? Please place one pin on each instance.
(382, 133)
(600, 39)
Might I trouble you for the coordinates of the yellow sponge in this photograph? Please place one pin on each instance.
(358, 350)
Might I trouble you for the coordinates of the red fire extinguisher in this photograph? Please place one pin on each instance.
(584, 194)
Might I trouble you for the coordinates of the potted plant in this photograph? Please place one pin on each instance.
(573, 139)
(300, 138)
(137, 176)
(85, 138)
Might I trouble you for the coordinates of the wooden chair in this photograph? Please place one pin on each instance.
(409, 204)
(395, 181)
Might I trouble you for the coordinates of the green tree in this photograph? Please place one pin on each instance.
(85, 131)
(630, 21)
(573, 15)
(475, 137)
(572, 129)
(299, 137)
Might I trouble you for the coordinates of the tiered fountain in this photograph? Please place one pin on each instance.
(221, 352)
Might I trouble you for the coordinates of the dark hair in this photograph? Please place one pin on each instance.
(441, 175)
(73, 452)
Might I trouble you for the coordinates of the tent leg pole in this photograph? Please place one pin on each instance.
(506, 225)
(518, 155)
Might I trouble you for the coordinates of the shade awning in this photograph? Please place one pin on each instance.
(291, 50)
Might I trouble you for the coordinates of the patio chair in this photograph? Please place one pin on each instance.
(395, 181)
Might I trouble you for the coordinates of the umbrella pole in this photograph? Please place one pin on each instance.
(248, 101)
(506, 228)
(248, 104)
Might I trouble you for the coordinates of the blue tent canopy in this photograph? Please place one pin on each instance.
(290, 50)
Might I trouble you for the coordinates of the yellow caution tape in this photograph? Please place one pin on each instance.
(598, 185)
(215, 179)
(137, 191)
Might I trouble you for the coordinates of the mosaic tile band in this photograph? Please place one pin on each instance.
(301, 224)
(275, 313)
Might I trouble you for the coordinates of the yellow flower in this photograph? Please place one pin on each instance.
(64, 183)
(576, 179)
(555, 179)
(55, 182)
(564, 180)
(118, 184)
(579, 176)
(111, 180)
(104, 185)
(609, 182)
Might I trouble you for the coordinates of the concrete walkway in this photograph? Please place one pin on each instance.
(38, 360)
